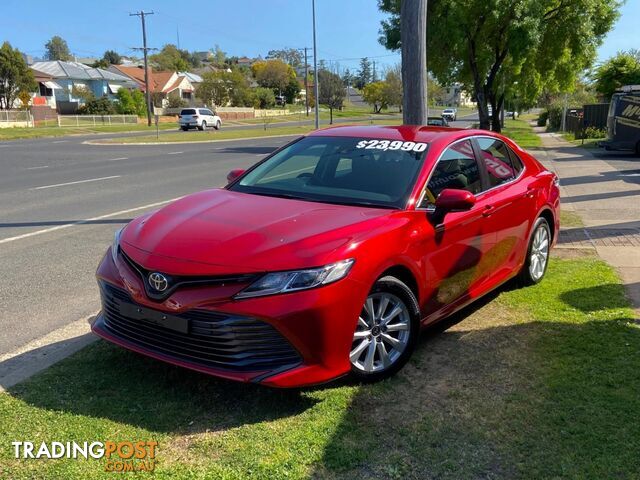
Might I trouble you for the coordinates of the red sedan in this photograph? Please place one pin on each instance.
(329, 256)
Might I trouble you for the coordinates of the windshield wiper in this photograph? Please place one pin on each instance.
(278, 195)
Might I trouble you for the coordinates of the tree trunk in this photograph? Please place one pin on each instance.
(413, 35)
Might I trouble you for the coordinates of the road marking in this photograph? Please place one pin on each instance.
(87, 220)
(75, 183)
(116, 159)
(174, 153)
(37, 168)
(60, 141)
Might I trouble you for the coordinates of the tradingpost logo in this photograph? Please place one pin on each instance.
(120, 456)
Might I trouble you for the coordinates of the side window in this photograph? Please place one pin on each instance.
(207, 112)
(516, 162)
(457, 168)
(497, 160)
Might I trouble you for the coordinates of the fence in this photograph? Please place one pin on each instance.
(15, 118)
(592, 115)
(94, 120)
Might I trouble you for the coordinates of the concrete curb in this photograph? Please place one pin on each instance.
(44, 352)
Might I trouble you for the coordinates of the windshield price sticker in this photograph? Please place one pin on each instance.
(392, 145)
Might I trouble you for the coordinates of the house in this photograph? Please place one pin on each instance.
(162, 85)
(455, 96)
(60, 84)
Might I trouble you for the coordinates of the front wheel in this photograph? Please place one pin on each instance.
(535, 265)
(217, 127)
(386, 332)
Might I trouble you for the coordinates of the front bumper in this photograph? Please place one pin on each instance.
(289, 340)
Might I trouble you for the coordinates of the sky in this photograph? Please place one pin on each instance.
(346, 29)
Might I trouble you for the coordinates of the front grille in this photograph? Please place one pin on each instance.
(212, 339)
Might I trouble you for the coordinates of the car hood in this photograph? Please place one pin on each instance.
(224, 232)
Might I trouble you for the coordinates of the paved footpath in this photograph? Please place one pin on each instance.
(608, 202)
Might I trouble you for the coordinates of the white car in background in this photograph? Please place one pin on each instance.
(199, 118)
(450, 114)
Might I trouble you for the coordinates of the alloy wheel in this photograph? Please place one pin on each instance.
(539, 252)
(382, 333)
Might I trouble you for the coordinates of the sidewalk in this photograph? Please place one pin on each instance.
(606, 201)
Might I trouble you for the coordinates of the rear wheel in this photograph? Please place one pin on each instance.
(535, 265)
(386, 332)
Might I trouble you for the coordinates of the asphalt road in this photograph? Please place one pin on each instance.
(61, 201)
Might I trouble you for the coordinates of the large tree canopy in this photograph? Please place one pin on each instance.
(618, 71)
(489, 45)
(15, 76)
(172, 58)
(57, 49)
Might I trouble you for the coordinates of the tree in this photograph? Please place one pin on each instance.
(274, 74)
(125, 104)
(619, 70)
(214, 88)
(15, 76)
(292, 56)
(112, 57)
(348, 78)
(140, 102)
(219, 57)
(57, 49)
(173, 59)
(392, 88)
(264, 97)
(489, 45)
(331, 91)
(374, 95)
(292, 90)
(364, 74)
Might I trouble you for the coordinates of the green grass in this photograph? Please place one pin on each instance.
(540, 382)
(197, 136)
(584, 143)
(38, 132)
(570, 219)
(521, 132)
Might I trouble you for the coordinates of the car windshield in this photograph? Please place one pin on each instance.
(342, 170)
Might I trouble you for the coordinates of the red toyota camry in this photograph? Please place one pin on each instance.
(327, 257)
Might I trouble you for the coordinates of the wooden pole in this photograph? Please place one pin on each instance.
(413, 35)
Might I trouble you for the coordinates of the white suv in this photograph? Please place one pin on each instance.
(201, 118)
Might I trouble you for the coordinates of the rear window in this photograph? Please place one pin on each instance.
(188, 111)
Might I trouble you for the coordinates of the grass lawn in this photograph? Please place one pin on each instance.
(570, 219)
(37, 132)
(540, 382)
(521, 132)
(586, 143)
(197, 136)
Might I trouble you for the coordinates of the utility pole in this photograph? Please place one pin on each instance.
(315, 67)
(144, 48)
(413, 37)
(374, 74)
(306, 80)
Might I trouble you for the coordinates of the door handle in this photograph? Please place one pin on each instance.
(488, 210)
(530, 193)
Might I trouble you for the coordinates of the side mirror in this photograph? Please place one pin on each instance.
(233, 174)
(454, 200)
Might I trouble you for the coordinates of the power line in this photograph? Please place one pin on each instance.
(145, 49)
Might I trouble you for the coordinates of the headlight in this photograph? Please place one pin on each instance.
(116, 244)
(292, 281)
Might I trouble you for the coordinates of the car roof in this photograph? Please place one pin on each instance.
(412, 133)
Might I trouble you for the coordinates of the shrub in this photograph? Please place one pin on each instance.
(542, 119)
(594, 132)
(97, 106)
(264, 98)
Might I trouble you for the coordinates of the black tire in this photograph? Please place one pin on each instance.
(217, 127)
(185, 129)
(526, 277)
(203, 127)
(638, 148)
(397, 289)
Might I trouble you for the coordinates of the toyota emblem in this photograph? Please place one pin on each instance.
(158, 281)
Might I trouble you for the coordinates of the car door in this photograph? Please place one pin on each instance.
(455, 250)
(510, 205)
